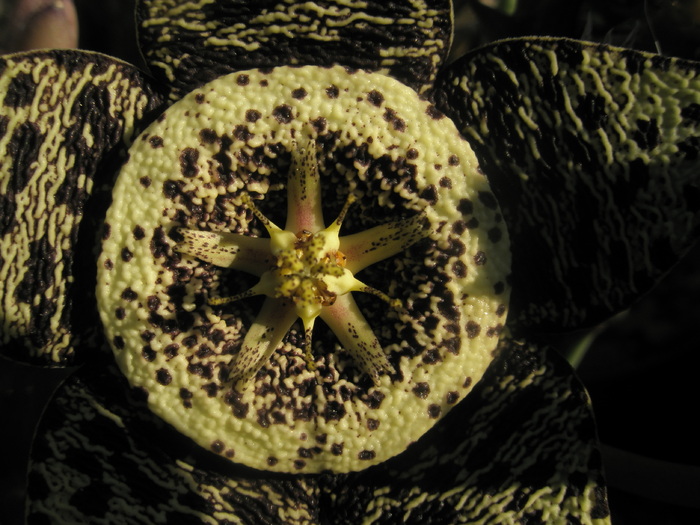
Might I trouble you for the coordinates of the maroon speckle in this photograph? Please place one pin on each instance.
(208, 136)
(412, 154)
(188, 162)
(453, 160)
(452, 398)
(156, 141)
(120, 313)
(319, 124)
(199, 98)
(473, 329)
(332, 91)
(139, 233)
(163, 376)
(126, 255)
(299, 464)
(421, 390)
(434, 112)
(128, 294)
(434, 411)
(148, 353)
(337, 449)
(145, 181)
(480, 258)
(283, 113)
(375, 98)
(242, 80)
(366, 455)
(299, 93)
(217, 446)
(252, 115)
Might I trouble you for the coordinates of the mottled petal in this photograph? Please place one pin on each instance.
(228, 250)
(594, 155)
(190, 43)
(356, 335)
(366, 248)
(62, 113)
(263, 337)
(304, 190)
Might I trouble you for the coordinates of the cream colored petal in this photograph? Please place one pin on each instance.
(356, 335)
(264, 336)
(228, 250)
(365, 248)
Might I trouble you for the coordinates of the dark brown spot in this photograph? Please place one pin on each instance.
(375, 98)
(108, 264)
(252, 115)
(217, 446)
(126, 254)
(453, 160)
(118, 342)
(459, 269)
(429, 194)
(319, 124)
(473, 329)
(188, 162)
(332, 91)
(120, 313)
(421, 390)
(171, 350)
(128, 294)
(495, 234)
(337, 449)
(412, 154)
(446, 182)
(242, 133)
(139, 233)
(153, 302)
(334, 411)
(372, 424)
(299, 464)
(452, 398)
(242, 80)
(366, 455)
(208, 136)
(432, 357)
(304, 452)
(156, 141)
(480, 258)
(434, 112)
(211, 389)
(163, 376)
(467, 382)
(434, 411)
(283, 114)
(392, 117)
(272, 461)
(199, 98)
(299, 93)
(148, 353)
(145, 181)
(465, 207)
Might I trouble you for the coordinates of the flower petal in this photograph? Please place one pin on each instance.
(593, 152)
(189, 44)
(356, 336)
(521, 448)
(100, 456)
(62, 113)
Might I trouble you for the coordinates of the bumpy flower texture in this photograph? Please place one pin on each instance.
(284, 261)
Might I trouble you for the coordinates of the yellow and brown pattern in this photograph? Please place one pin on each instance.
(594, 155)
(61, 115)
(187, 44)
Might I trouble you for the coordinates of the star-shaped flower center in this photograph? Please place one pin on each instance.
(306, 270)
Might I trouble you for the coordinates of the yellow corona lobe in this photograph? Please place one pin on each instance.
(307, 272)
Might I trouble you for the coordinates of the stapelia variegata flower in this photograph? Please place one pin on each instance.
(194, 199)
(302, 267)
